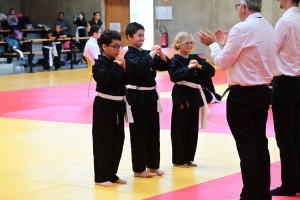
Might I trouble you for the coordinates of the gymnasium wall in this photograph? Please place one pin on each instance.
(6, 5)
(193, 15)
(188, 15)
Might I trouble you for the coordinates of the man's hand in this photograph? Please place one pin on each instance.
(207, 38)
(221, 36)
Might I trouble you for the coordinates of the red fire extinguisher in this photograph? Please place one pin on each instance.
(163, 37)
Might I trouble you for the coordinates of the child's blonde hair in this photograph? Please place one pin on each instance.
(180, 38)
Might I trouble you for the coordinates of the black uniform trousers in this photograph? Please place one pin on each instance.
(144, 137)
(286, 115)
(184, 134)
(46, 58)
(57, 58)
(247, 113)
(108, 141)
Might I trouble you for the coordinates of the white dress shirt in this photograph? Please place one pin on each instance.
(287, 31)
(249, 54)
(92, 50)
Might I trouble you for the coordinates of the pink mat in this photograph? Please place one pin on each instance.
(225, 188)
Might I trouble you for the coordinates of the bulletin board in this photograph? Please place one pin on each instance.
(163, 12)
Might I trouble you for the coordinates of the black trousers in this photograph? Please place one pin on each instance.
(184, 134)
(247, 113)
(108, 141)
(144, 137)
(46, 58)
(286, 115)
(57, 58)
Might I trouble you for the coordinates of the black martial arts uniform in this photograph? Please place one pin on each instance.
(108, 119)
(58, 49)
(186, 104)
(81, 32)
(45, 51)
(145, 131)
(92, 23)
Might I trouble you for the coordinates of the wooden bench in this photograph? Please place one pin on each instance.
(31, 53)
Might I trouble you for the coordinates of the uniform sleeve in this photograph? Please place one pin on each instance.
(227, 56)
(160, 64)
(281, 31)
(75, 22)
(207, 69)
(138, 65)
(106, 74)
(177, 72)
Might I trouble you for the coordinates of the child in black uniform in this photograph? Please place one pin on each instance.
(186, 71)
(47, 46)
(80, 31)
(58, 33)
(143, 98)
(108, 110)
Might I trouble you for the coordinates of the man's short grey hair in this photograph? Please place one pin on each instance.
(254, 5)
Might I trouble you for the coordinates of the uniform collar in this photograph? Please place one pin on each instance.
(290, 10)
(254, 15)
(94, 39)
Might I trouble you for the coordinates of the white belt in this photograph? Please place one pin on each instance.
(134, 87)
(77, 33)
(128, 114)
(204, 110)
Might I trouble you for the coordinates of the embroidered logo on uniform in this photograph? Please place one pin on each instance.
(151, 69)
(195, 72)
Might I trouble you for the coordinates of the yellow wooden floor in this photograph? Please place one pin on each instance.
(42, 160)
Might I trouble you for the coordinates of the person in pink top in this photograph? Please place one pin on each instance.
(248, 55)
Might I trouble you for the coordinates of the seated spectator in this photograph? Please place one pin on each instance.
(12, 20)
(95, 21)
(63, 23)
(91, 49)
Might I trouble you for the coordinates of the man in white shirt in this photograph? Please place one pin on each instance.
(92, 49)
(248, 55)
(286, 98)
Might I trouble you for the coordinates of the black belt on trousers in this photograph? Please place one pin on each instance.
(284, 76)
(239, 86)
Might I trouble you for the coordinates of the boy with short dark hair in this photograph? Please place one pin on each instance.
(91, 49)
(143, 98)
(108, 110)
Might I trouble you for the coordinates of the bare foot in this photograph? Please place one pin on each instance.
(105, 184)
(156, 171)
(191, 164)
(121, 181)
(144, 174)
(181, 166)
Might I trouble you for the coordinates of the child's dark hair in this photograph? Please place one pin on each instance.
(49, 31)
(95, 12)
(82, 14)
(11, 10)
(108, 36)
(94, 29)
(61, 13)
(132, 28)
